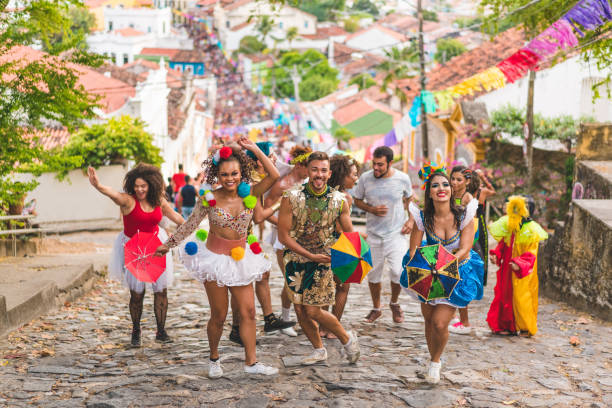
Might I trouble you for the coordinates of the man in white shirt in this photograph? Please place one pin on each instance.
(384, 193)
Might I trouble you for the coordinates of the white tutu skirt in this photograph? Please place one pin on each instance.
(118, 271)
(208, 266)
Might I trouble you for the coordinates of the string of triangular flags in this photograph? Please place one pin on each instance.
(210, 32)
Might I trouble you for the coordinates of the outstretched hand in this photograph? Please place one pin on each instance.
(93, 177)
(247, 144)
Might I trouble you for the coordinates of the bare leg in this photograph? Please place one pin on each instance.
(218, 301)
(262, 290)
(312, 314)
(427, 312)
(463, 316)
(441, 316)
(308, 326)
(396, 289)
(285, 301)
(246, 306)
(375, 289)
(235, 313)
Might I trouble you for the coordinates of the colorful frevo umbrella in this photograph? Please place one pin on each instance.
(351, 259)
(139, 259)
(432, 273)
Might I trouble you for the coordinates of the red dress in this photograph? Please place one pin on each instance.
(139, 220)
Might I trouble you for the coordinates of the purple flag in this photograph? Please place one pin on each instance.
(390, 138)
(590, 14)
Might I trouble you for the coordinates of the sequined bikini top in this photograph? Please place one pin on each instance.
(223, 219)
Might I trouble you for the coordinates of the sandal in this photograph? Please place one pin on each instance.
(373, 315)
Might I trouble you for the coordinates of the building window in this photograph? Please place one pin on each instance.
(149, 28)
(227, 24)
(113, 57)
(305, 24)
(110, 26)
(164, 27)
(131, 25)
(125, 58)
(188, 68)
(280, 25)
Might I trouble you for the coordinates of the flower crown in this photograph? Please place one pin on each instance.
(223, 153)
(300, 158)
(428, 170)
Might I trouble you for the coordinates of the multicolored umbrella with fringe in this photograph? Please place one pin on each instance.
(351, 259)
(432, 273)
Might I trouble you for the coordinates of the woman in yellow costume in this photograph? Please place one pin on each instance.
(515, 306)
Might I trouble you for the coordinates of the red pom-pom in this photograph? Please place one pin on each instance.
(225, 152)
(255, 248)
(212, 203)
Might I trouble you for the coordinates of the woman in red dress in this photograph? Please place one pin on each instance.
(142, 206)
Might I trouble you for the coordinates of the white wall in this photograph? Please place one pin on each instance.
(75, 200)
(564, 89)
(112, 43)
(374, 41)
(147, 20)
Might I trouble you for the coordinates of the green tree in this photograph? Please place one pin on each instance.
(312, 66)
(447, 48)
(291, 35)
(535, 17)
(351, 24)
(430, 15)
(397, 66)
(36, 90)
(364, 81)
(115, 141)
(343, 134)
(324, 10)
(264, 26)
(251, 45)
(82, 22)
(367, 6)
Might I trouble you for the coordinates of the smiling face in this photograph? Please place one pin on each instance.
(141, 188)
(318, 173)
(351, 178)
(458, 181)
(229, 175)
(440, 189)
(380, 166)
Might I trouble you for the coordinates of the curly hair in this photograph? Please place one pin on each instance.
(299, 150)
(340, 166)
(152, 175)
(473, 180)
(429, 210)
(238, 155)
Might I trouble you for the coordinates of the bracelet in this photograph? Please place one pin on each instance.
(275, 206)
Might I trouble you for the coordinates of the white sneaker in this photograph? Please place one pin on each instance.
(317, 356)
(259, 368)
(454, 320)
(459, 328)
(289, 331)
(214, 369)
(352, 349)
(433, 373)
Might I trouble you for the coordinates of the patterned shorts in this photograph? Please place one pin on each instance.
(309, 283)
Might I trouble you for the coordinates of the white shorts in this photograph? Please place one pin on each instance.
(391, 250)
(272, 239)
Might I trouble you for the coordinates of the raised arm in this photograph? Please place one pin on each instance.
(273, 174)
(123, 200)
(169, 212)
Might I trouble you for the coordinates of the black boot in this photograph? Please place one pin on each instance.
(136, 342)
(234, 335)
(273, 323)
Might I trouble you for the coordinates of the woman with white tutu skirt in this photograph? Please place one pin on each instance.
(221, 259)
(142, 206)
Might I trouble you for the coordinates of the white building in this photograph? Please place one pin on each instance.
(375, 39)
(148, 20)
(564, 89)
(129, 30)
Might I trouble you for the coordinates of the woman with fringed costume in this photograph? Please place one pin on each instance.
(221, 259)
(142, 207)
(444, 223)
(514, 309)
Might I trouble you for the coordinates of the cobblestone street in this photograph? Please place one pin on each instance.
(78, 356)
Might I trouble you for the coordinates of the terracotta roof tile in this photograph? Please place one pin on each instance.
(50, 138)
(388, 31)
(234, 5)
(194, 56)
(326, 32)
(241, 26)
(357, 66)
(128, 32)
(166, 52)
(467, 64)
(342, 52)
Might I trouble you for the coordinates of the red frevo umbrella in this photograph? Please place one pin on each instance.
(139, 259)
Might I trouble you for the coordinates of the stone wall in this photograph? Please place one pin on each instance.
(575, 264)
(594, 142)
(593, 180)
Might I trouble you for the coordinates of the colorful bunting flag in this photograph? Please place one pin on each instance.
(589, 14)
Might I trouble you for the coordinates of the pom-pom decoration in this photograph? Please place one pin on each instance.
(202, 235)
(191, 248)
(205, 203)
(428, 170)
(250, 201)
(244, 189)
(201, 192)
(237, 253)
(225, 152)
(255, 248)
(251, 238)
(205, 187)
(210, 198)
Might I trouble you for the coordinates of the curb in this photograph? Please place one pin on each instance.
(48, 298)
